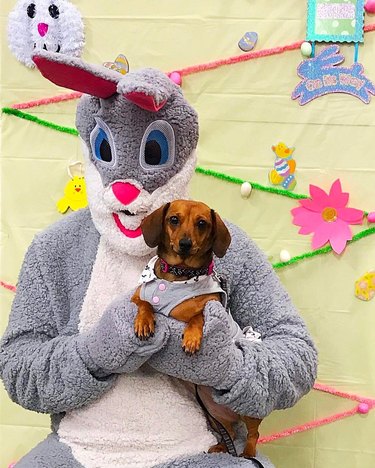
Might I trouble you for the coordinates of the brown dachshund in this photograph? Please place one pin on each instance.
(187, 234)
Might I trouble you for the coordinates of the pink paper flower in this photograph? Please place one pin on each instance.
(327, 216)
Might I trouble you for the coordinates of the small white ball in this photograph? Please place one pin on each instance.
(306, 49)
(285, 256)
(246, 189)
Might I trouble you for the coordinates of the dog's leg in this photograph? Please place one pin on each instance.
(220, 447)
(193, 334)
(144, 323)
(252, 425)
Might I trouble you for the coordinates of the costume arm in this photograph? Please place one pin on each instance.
(278, 371)
(251, 378)
(47, 369)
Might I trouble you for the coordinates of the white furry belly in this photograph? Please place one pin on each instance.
(146, 418)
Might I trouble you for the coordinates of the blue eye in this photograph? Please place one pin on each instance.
(158, 145)
(102, 144)
(156, 148)
(102, 147)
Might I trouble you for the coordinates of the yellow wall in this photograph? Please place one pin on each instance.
(244, 109)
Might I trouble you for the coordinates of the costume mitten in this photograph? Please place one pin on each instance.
(111, 346)
(217, 363)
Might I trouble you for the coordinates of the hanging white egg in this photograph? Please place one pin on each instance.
(285, 256)
(246, 189)
(306, 49)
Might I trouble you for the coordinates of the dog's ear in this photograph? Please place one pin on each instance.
(222, 238)
(152, 226)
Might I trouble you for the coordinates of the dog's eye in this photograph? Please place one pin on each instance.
(173, 220)
(102, 143)
(157, 146)
(202, 224)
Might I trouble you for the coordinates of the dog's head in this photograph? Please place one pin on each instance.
(185, 229)
(139, 137)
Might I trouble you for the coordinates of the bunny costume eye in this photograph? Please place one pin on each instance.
(54, 11)
(102, 146)
(158, 146)
(31, 10)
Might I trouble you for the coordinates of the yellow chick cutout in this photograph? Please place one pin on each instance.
(284, 167)
(75, 196)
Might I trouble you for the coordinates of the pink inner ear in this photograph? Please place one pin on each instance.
(144, 101)
(72, 77)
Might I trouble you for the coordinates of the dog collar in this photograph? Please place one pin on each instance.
(186, 271)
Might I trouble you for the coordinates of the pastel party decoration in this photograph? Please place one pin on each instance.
(42, 24)
(285, 256)
(246, 189)
(248, 41)
(371, 217)
(176, 78)
(327, 217)
(75, 196)
(365, 287)
(284, 167)
(335, 21)
(322, 75)
(306, 49)
(370, 6)
(120, 64)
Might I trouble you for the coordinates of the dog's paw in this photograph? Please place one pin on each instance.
(144, 326)
(218, 448)
(191, 341)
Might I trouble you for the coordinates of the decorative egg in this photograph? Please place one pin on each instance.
(285, 256)
(370, 6)
(365, 287)
(176, 78)
(248, 41)
(246, 189)
(371, 217)
(306, 49)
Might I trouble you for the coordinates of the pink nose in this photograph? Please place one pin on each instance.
(125, 192)
(42, 29)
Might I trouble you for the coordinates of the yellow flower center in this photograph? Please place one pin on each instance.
(329, 214)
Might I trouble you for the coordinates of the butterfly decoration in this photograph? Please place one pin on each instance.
(120, 64)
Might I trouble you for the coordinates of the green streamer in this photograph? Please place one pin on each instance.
(37, 120)
(255, 185)
(323, 250)
(216, 175)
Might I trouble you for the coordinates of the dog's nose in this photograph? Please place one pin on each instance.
(185, 245)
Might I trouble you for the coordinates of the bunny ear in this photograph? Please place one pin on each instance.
(149, 89)
(329, 52)
(73, 73)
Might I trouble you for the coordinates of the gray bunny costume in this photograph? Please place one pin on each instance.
(70, 348)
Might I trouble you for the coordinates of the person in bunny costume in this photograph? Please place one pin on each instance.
(70, 349)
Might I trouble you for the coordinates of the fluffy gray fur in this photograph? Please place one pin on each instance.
(128, 123)
(51, 453)
(47, 366)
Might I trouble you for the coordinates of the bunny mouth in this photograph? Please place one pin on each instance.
(129, 223)
(46, 48)
(131, 233)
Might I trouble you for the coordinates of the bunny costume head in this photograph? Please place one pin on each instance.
(139, 137)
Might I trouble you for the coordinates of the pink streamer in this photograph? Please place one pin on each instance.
(349, 396)
(188, 70)
(307, 426)
(8, 286)
(46, 101)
